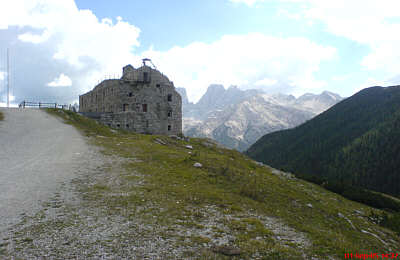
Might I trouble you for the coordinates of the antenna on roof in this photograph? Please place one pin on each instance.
(149, 60)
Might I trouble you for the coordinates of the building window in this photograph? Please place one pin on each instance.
(169, 127)
(127, 126)
(144, 107)
(125, 107)
(145, 76)
(170, 113)
(158, 85)
(118, 125)
(169, 97)
(130, 94)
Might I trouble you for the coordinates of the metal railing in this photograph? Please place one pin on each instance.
(25, 104)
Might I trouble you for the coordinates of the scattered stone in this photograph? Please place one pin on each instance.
(197, 165)
(175, 137)
(348, 220)
(159, 141)
(309, 205)
(206, 144)
(259, 163)
(359, 212)
(226, 250)
(374, 235)
(189, 147)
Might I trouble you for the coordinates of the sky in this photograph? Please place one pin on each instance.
(60, 49)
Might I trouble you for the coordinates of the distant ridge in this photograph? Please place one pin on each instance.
(357, 142)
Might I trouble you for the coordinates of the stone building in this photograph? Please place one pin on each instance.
(143, 100)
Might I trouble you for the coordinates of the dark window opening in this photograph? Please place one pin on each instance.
(145, 76)
(147, 123)
(169, 97)
(144, 107)
(169, 127)
(127, 125)
(118, 125)
(158, 85)
(130, 94)
(170, 113)
(125, 107)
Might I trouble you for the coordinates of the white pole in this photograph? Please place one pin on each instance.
(8, 77)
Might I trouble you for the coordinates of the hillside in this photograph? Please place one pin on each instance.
(150, 201)
(356, 142)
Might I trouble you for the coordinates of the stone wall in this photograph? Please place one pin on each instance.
(143, 100)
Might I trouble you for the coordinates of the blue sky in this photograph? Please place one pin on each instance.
(60, 49)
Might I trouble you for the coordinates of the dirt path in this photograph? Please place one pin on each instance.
(38, 153)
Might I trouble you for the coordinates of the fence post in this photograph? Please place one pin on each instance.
(24, 103)
(55, 105)
(39, 104)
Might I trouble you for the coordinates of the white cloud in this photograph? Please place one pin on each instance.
(86, 49)
(266, 82)
(369, 82)
(244, 60)
(61, 81)
(369, 22)
(75, 39)
(341, 77)
(34, 38)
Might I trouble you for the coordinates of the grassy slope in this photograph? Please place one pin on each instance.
(230, 196)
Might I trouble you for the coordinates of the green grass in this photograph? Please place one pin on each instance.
(1, 116)
(231, 195)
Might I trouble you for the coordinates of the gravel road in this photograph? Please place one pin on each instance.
(38, 153)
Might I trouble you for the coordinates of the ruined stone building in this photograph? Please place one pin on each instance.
(143, 100)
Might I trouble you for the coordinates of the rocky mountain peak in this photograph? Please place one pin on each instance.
(237, 118)
(182, 92)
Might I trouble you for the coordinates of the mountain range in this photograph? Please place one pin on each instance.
(237, 118)
(355, 142)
